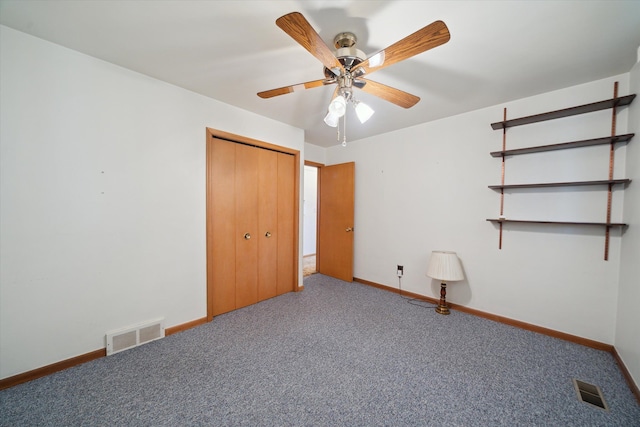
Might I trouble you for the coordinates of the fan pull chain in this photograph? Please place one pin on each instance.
(344, 129)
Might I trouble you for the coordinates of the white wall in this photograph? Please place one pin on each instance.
(424, 188)
(103, 199)
(314, 153)
(627, 340)
(310, 211)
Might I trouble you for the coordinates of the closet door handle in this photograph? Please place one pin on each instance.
(247, 236)
(349, 229)
(267, 234)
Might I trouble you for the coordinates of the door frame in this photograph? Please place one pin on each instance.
(320, 167)
(239, 139)
(317, 166)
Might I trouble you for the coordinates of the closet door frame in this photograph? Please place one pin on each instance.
(215, 133)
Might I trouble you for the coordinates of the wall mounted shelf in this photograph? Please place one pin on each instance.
(565, 145)
(612, 104)
(580, 109)
(562, 184)
(522, 221)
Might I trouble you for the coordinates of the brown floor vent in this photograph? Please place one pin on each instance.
(590, 393)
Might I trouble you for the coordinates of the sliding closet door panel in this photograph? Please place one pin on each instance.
(286, 223)
(268, 233)
(221, 227)
(247, 236)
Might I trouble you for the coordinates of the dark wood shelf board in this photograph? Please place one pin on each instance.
(522, 221)
(581, 109)
(561, 184)
(565, 145)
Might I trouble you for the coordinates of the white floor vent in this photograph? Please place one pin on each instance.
(133, 336)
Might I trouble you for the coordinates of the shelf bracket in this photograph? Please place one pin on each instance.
(502, 171)
(611, 163)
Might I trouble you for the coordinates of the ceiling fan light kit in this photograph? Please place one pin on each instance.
(363, 111)
(331, 119)
(347, 65)
(338, 106)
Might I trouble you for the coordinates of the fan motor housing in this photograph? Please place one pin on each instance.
(347, 53)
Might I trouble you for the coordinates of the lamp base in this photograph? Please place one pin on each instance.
(442, 309)
(442, 306)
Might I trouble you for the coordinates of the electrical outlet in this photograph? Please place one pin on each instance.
(400, 270)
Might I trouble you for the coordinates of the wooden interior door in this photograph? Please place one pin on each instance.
(336, 221)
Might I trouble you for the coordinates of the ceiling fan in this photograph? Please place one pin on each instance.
(348, 66)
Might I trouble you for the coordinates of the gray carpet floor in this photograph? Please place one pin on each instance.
(336, 354)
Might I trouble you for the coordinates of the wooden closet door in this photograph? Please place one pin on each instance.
(221, 227)
(246, 219)
(251, 192)
(287, 270)
(268, 234)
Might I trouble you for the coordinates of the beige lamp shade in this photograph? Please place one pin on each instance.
(445, 266)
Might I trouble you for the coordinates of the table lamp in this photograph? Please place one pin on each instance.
(444, 266)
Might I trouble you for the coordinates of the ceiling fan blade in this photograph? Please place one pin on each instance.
(301, 31)
(433, 35)
(388, 93)
(293, 88)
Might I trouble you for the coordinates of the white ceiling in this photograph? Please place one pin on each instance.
(230, 50)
